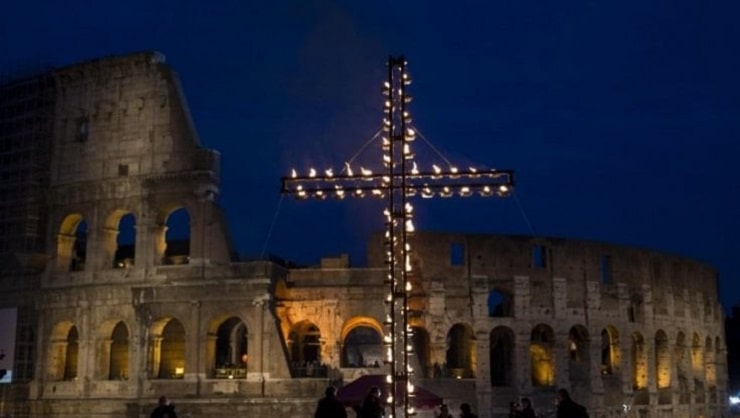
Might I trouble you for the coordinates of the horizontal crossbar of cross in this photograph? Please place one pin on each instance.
(464, 183)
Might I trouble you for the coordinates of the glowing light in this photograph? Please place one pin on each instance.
(349, 170)
(503, 188)
(409, 225)
(365, 172)
(293, 173)
(414, 168)
(436, 169)
(329, 173)
(312, 173)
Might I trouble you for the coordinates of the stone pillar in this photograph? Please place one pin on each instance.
(104, 359)
(108, 244)
(65, 243)
(57, 359)
(156, 359)
(194, 367)
(210, 355)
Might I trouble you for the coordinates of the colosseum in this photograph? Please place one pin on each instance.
(102, 150)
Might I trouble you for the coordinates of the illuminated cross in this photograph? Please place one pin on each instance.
(399, 180)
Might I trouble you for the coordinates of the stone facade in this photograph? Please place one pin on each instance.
(106, 325)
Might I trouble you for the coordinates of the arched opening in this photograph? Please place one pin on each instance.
(499, 304)
(682, 368)
(177, 237)
(639, 362)
(710, 369)
(662, 360)
(542, 362)
(72, 354)
(697, 368)
(502, 356)
(422, 349)
(609, 350)
(460, 355)
(579, 360)
(119, 353)
(305, 349)
(362, 347)
(232, 354)
(125, 254)
(169, 351)
(72, 243)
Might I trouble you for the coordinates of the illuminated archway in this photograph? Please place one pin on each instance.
(231, 349)
(542, 362)
(422, 349)
(168, 349)
(460, 353)
(72, 243)
(579, 359)
(609, 350)
(639, 362)
(362, 347)
(305, 345)
(71, 357)
(662, 360)
(119, 350)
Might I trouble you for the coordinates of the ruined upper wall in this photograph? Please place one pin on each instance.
(443, 256)
(123, 116)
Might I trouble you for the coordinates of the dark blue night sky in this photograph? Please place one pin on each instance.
(619, 117)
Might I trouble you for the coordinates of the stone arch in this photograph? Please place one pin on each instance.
(663, 376)
(710, 368)
(682, 368)
(500, 304)
(579, 359)
(304, 341)
(64, 351)
(542, 362)
(421, 342)
(71, 359)
(362, 345)
(460, 355)
(119, 239)
(177, 234)
(228, 348)
(501, 356)
(168, 349)
(71, 248)
(697, 368)
(609, 350)
(119, 353)
(697, 356)
(639, 362)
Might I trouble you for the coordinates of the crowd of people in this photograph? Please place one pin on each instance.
(372, 407)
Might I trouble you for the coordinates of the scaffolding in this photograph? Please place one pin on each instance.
(26, 133)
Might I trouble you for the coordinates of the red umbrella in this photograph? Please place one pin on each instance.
(353, 393)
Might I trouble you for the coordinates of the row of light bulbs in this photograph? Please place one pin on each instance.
(425, 191)
(436, 172)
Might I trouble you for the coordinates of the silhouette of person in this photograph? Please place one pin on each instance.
(329, 406)
(466, 411)
(527, 411)
(165, 409)
(567, 408)
(514, 411)
(444, 412)
(371, 406)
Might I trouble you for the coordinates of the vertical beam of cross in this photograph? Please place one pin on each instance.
(399, 180)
